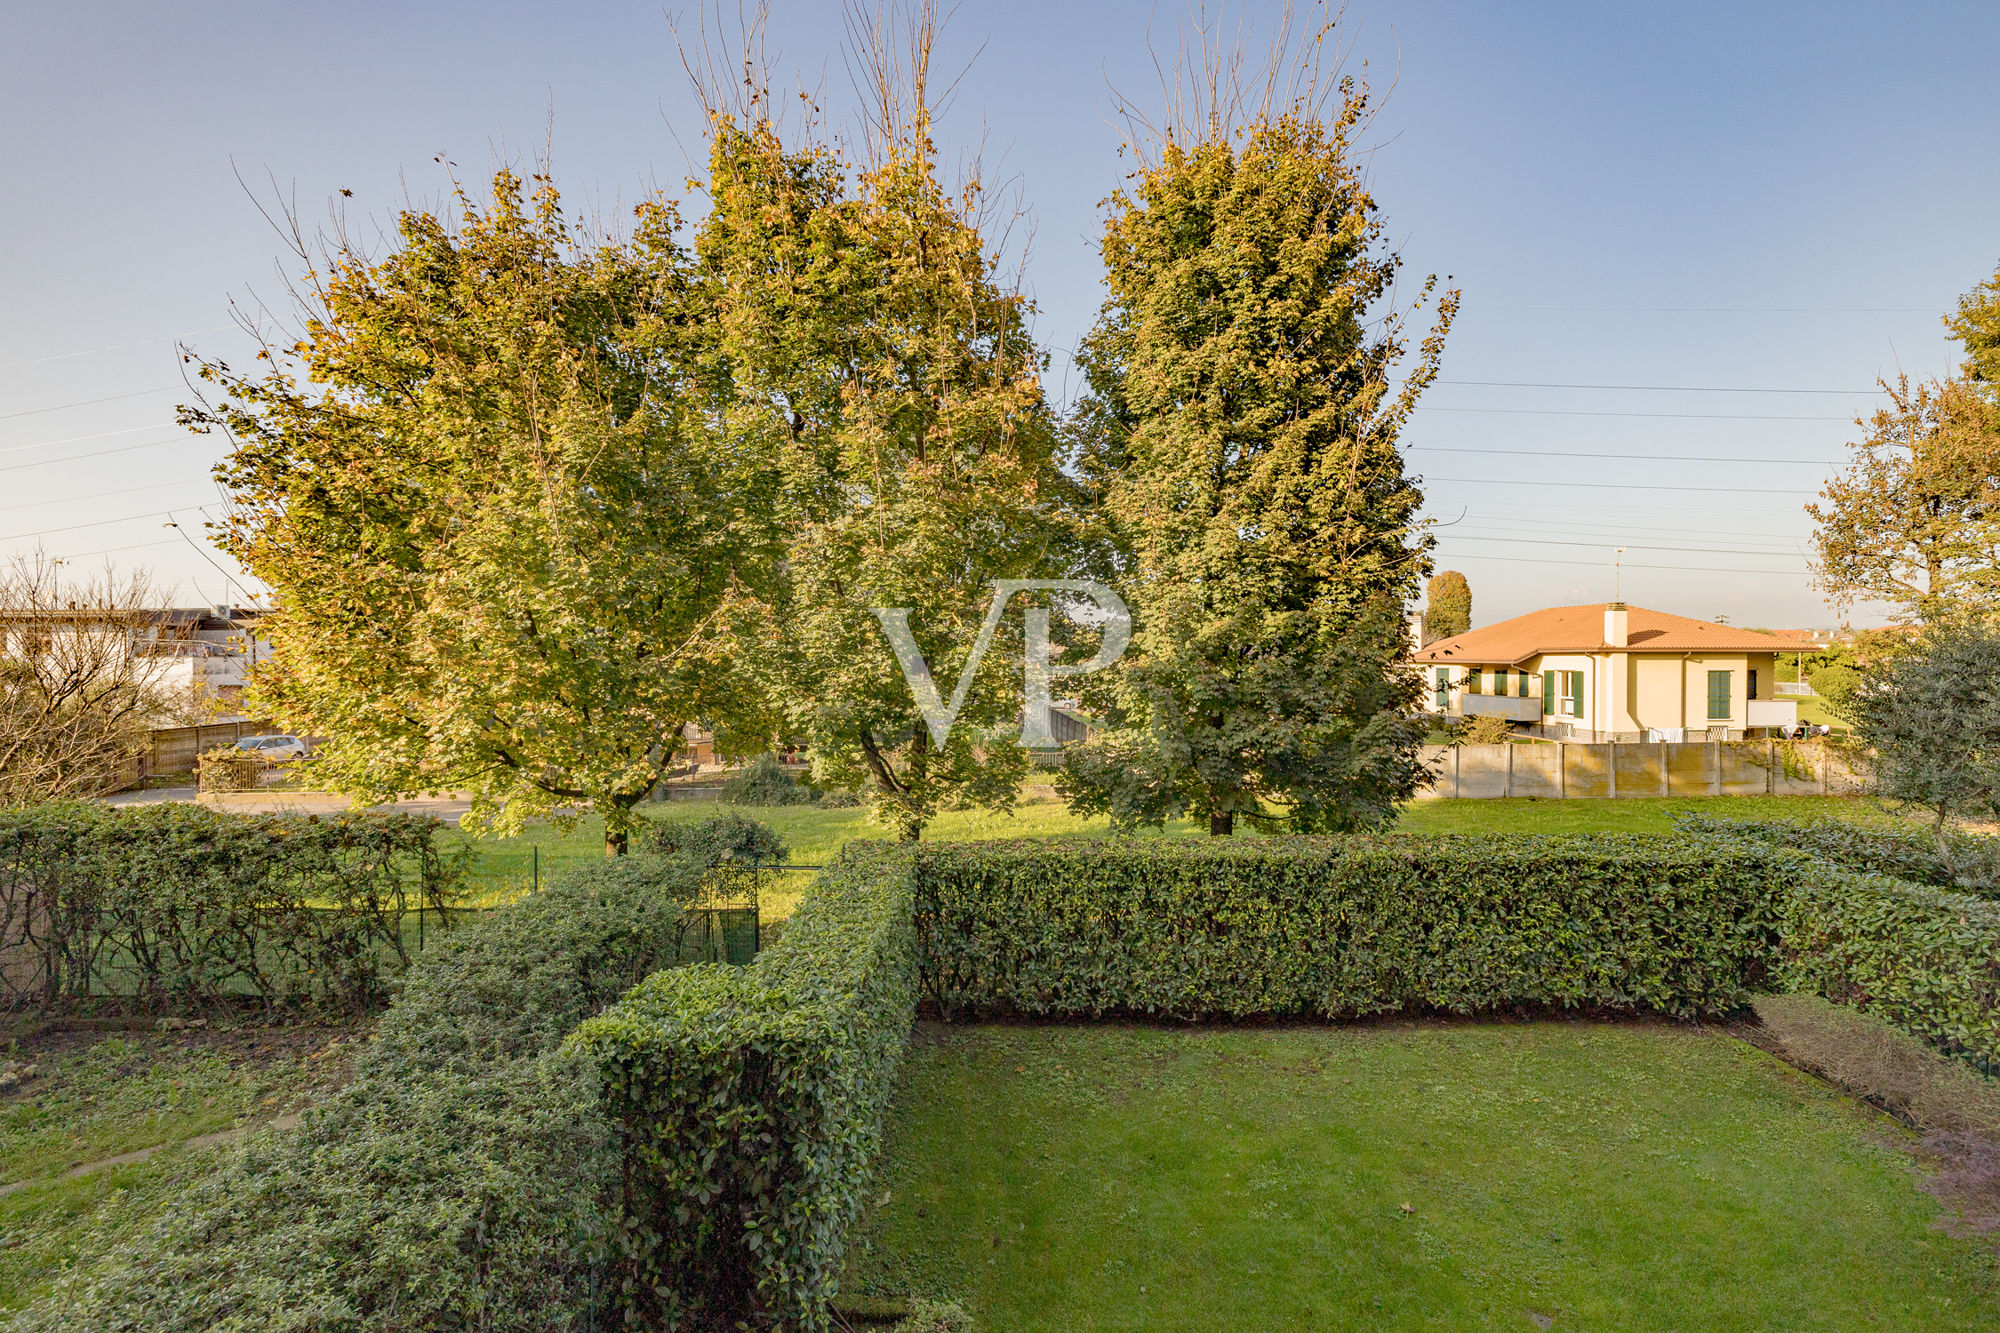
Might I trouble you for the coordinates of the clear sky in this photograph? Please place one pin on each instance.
(1761, 208)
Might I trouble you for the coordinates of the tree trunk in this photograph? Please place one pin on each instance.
(616, 844)
(1221, 823)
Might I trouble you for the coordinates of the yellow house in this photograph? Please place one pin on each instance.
(1611, 673)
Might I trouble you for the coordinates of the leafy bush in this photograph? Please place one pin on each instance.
(749, 1105)
(177, 907)
(927, 1316)
(1338, 928)
(721, 840)
(1907, 855)
(1485, 731)
(231, 770)
(765, 782)
(1925, 959)
(465, 1180)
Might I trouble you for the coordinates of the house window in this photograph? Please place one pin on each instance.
(1500, 681)
(1443, 688)
(1718, 695)
(1523, 691)
(1572, 693)
(1753, 685)
(1472, 681)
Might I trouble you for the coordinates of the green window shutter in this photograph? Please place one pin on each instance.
(1718, 696)
(1575, 693)
(1443, 681)
(1548, 693)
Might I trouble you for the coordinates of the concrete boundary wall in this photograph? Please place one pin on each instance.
(1618, 769)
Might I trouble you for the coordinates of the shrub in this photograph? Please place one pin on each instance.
(227, 770)
(721, 840)
(176, 907)
(1925, 959)
(464, 1180)
(749, 1105)
(765, 782)
(1332, 928)
(1485, 731)
(1900, 854)
(927, 1316)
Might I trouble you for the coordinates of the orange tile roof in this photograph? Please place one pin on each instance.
(1580, 629)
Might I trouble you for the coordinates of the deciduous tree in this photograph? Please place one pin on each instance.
(1448, 609)
(1250, 468)
(1914, 519)
(1976, 324)
(504, 524)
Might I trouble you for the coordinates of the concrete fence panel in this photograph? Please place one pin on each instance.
(1587, 771)
(1649, 769)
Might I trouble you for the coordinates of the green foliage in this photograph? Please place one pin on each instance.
(1931, 719)
(1483, 731)
(1836, 683)
(1976, 325)
(174, 907)
(504, 527)
(1448, 605)
(1245, 446)
(1342, 928)
(463, 1181)
(766, 782)
(1974, 866)
(1926, 959)
(719, 840)
(928, 1316)
(871, 339)
(749, 1105)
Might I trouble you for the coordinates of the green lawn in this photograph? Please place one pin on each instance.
(1402, 1176)
(505, 865)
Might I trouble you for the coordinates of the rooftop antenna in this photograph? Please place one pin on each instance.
(1618, 576)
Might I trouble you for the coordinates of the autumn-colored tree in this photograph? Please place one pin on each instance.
(872, 340)
(502, 522)
(1976, 325)
(1449, 605)
(1914, 519)
(1250, 469)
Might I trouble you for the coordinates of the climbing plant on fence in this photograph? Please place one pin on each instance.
(176, 907)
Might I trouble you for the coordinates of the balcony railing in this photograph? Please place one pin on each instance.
(1500, 705)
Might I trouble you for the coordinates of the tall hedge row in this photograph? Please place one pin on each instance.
(466, 1179)
(749, 1102)
(175, 907)
(1898, 853)
(1334, 928)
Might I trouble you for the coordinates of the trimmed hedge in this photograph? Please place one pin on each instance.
(1334, 928)
(1907, 855)
(175, 907)
(465, 1180)
(749, 1103)
(1926, 959)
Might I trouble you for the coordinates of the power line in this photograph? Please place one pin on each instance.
(95, 523)
(76, 439)
(114, 347)
(88, 402)
(114, 550)
(1649, 388)
(1645, 458)
(100, 453)
(1611, 542)
(100, 495)
(1729, 309)
(1598, 564)
(1579, 412)
(1568, 525)
(1617, 485)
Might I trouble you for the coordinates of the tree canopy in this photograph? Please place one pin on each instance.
(505, 526)
(1448, 605)
(1247, 460)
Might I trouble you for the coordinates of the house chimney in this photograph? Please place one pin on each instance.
(1614, 624)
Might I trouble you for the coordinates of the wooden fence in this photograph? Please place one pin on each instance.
(175, 749)
(1619, 769)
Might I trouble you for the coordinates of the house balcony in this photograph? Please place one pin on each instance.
(1500, 705)
(1773, 713)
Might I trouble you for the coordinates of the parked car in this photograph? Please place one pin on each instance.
(277, 749)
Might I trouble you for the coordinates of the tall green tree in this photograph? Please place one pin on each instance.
(871, 338)
(505, 524)
(1914, 519)
(1448, 610)
(1251, 475)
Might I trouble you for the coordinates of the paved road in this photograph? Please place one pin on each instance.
(449, 806)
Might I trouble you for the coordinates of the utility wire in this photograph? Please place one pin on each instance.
(100, 453)
(88, 402)
(1579, 412)
(114, 347)
(100, 495)
(1598, 564)
(1617, 485)
(94, 523)
(1645, 458)
(1650, 388)
(74, 439)
(1612, 542)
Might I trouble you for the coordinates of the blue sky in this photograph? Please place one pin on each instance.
(1704, 198)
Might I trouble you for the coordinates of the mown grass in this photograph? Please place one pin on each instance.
(504, 866)
(1401, 1176)
(110, 1097)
